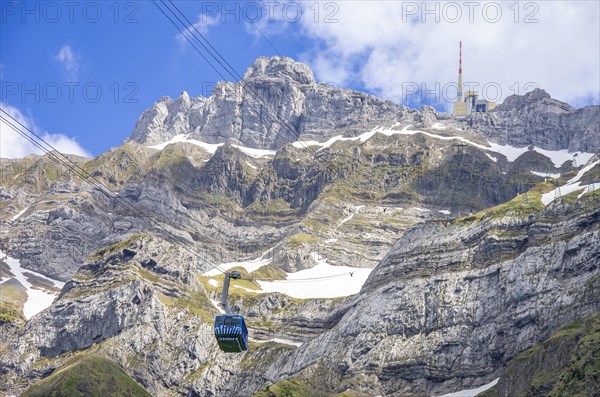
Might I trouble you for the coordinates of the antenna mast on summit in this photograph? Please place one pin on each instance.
(460, 82)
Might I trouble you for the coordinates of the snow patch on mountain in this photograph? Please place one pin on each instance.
(217, 306)
(353, 212)
(321, 281)
(494, 159)
(473, 392)
(212, 147)
(422, 209)
(571, 186)
(37, 299)
(278, 340)
(183, 138)
(545, 174)
(249, 266)
(558, 157)
(17, 216)
(213, 282)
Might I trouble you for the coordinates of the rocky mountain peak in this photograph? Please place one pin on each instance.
(537, 99)
(184, 98)
(227, 152)
(279, 102)
(536, 118)
(280, 68)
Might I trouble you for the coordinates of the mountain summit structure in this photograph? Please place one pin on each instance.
(471, 103)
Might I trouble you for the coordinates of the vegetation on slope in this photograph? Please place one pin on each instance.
(116, 247)
(566, 364)
(297, 388)
(522, 205)
(12, 298)
(92, 376)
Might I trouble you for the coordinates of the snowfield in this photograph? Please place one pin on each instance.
(558, 157)
(322, 281)
(212, 147)
(250, 265)
(472, 392)
(37, 299)
(571, 186)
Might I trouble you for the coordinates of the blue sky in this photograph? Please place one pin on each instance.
(131, 52)
(133, 64)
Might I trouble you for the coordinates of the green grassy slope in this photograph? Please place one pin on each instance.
(566, 364)
(12, 298)
(297, 388)
(92, 376)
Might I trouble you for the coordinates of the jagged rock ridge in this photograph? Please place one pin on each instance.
(537, 119)
(277, 101)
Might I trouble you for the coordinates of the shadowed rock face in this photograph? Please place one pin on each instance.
(564, 364)
(449, 305)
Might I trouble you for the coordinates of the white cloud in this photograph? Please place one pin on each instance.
(13, 145)
(378, 45)
(203, 23)
(69, 61)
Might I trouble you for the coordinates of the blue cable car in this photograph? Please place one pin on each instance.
(230, 329)
(231, 333)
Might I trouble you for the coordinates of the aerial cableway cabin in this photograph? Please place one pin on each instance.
(231, 333)
(230, 329)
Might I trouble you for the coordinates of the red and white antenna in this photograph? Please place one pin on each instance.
(460, 83)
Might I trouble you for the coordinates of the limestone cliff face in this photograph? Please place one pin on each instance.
(564, 364)
(432, 317)
(167, 118)
(451, 304)
(229, 199)
(537, 119)
(141, 304)
(277, 101)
